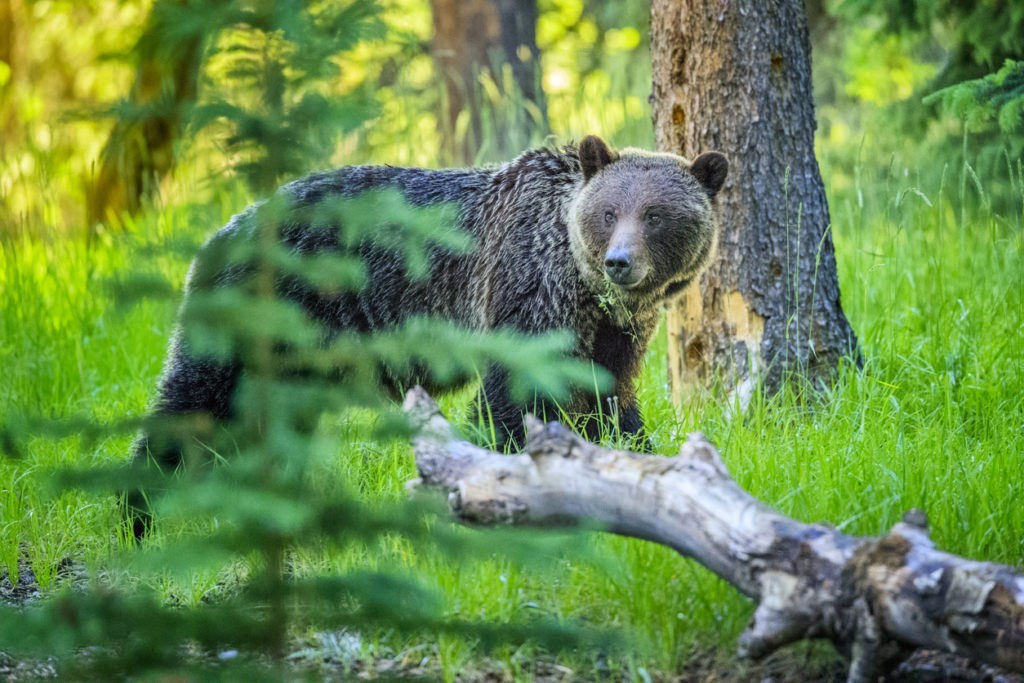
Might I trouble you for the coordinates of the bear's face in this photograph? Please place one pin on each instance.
(643, 224)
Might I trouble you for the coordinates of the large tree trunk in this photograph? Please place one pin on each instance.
(736, 77)
(477, 36)
(877, 599)
(139, 152)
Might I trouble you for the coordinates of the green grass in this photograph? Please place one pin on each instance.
(934, 420)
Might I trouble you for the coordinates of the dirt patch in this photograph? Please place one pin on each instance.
(21, 591)
(338, 654)
(927, 666)
(12, 670)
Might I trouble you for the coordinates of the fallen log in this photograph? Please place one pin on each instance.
(877, 598)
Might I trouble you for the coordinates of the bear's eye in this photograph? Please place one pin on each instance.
(609, 217)
(654, 218)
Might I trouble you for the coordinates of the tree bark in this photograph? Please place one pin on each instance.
(877, 599)
(736, 77)
(473, 37)
(139, 151)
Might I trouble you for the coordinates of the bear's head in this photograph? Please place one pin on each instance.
(643, 224)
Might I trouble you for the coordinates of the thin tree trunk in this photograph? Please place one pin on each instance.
(473, 37)
(10, 46)
(518, 20)
(139, 152)
(464, 30)
(819, 22)
(736, 77)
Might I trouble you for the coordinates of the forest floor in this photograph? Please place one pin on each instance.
(330, 656)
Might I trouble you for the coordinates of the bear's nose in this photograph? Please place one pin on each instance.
(619, 266)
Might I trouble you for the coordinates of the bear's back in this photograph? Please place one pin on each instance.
(515, 215)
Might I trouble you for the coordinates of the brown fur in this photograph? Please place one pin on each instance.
(579, 238)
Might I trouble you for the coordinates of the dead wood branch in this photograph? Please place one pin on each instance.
(876, 598)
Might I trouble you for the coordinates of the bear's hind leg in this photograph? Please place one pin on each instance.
(194, 404)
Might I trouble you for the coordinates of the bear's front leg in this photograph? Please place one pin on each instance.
(618, 416)
(631, 423)
(495, 408)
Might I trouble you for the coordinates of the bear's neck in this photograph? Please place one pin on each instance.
(625, 309)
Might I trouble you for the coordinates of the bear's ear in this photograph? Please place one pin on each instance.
(594, 155)
(710, 170)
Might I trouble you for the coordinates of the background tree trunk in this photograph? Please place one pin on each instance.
(736, 77)
(10, 46)
(477, 36)
(139, 152)
(518, 19)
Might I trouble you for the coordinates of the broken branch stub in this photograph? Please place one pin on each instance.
(875, 598)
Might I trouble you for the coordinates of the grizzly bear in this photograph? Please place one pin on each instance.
(580, 238)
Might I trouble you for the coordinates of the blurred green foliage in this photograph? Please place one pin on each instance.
(274, 77)
(978, 36)
(250, 496)
(909, 50)
(61, 59)
(54, 93)
(881, 70)
(997, 97)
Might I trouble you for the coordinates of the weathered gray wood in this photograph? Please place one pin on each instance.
(876, 598)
